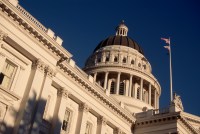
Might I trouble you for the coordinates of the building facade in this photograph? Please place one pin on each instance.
(43, 91)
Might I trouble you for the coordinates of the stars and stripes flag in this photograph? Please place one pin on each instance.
(167, 41)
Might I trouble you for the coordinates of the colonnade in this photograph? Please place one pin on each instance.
(132, 87)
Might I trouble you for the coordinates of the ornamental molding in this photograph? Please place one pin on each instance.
(39, 64)
(49, 71)
(84, 107)
(63, 92)
(2, 35)
(102, 120)
(118, 131)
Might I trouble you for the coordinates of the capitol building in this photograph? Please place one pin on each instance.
(43, 91)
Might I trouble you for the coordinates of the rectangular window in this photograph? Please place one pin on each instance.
(88, 129)
(7, 74)
(66, 121)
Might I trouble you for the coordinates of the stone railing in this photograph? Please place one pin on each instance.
(31, 18)
(161, 111)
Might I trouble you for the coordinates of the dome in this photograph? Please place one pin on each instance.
(119, 40)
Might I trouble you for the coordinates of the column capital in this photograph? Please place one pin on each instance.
(63, 92)
(39, 64)
(49, 71)
(102, 120)
(84, 107)
(118, 131)
(2, 35)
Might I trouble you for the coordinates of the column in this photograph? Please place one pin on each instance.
(130, 85)
(126, 87)
(95, 76)
(60, 107)
(31, 96)
(135, 90)
(157, 101)
(141, 89)
(82, 118)
(118, 82)
(105, 80)
(101, 125)
(41, 103)
(149, 94)
(155, 96)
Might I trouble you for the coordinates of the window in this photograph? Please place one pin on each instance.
(112, 87)
(7, 74)
(124, 60)
(66, 121)
(88, 129)
(107, 59)
(139, 65)
(121, 88)
(132, 62)
(115, 59)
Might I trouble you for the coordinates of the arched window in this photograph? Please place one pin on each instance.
(112, 87)
(115, 59)
(124, 60)
(132, 62)
(107, 59)
(121, 88)
(138, 93)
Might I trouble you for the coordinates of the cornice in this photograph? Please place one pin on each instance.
(95, 91)
(22, 18)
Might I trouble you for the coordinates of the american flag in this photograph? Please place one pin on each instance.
(166, 40)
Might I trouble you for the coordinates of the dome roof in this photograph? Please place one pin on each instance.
(119, 40)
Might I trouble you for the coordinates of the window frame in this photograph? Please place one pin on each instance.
(6, 62)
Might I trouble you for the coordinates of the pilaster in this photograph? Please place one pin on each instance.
(83, 114)
(61, 105)
(101, 122)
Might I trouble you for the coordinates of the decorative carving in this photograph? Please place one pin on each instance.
(102, 120)
(2, 35)
(177, 101)
(49, 71)
(39, 65)
(63, 92)
(118, 131)
(84, 107)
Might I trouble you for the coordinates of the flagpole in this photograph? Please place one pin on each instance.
(170, 66)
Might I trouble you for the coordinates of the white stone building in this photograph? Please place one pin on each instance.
(43, 91)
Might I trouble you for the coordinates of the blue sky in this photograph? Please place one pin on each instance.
(82, 24)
